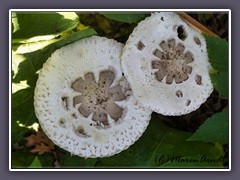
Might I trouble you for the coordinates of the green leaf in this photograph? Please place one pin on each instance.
(18, 132)
(126, 17)
(18, 86)
(15, 25)
(161, 140)
(22, 113)
(218, 56)
(218, 52)
(22, 158)
(36, 163)
(16, 60)
(23, 70)
(220, 83)
(31, 62)
(72, 161)
(214, 129)
(28, 47)
(33, 24)
(22, 106)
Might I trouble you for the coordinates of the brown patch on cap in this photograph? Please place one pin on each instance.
(173, 62)
(198, 79)
(99, 98)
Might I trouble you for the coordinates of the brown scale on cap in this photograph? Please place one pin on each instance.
(140, 45)
(99, 98)
(179, 94)
(80, 132)
(197, 40)
(173, 62)
(198, 79)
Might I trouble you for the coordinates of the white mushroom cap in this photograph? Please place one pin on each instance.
(166, 63)
(83, 102)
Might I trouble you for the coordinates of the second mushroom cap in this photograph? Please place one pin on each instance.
(166, 63)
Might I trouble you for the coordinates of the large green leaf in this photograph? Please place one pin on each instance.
(31, 62)
(218, 56)
(126, 17)
(160, 140)
(32, 24)
(214, 129)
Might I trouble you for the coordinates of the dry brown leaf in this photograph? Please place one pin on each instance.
(32, 140)
(41, 149)
(40, 142)
(46, 140)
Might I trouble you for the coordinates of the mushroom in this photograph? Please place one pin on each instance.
(166, 63)
(83, 102)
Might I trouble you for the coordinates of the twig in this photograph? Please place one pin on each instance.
(195, 24)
